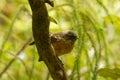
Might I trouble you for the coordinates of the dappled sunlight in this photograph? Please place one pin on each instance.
(96, 51)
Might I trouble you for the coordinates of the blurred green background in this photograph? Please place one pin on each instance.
(96, 55)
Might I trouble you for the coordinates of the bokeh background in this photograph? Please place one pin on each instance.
(96, 55)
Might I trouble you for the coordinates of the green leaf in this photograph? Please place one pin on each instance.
(115, 19)
(111, 73)
(52, 20)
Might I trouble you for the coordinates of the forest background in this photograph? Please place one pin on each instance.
(96, 54)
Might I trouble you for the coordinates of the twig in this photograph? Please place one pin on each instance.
(14, 58)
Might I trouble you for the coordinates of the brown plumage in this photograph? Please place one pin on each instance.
(63, 42)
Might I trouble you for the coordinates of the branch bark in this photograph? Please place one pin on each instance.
(40, 27)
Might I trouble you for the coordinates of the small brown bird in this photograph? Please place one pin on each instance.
(62, 42)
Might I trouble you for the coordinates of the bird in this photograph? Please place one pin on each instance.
(62, 42)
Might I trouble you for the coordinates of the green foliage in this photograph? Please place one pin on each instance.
(96, 22)
(112, 73)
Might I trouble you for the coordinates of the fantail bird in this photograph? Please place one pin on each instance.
(62, 42)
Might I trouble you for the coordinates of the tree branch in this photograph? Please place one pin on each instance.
(40, 27)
